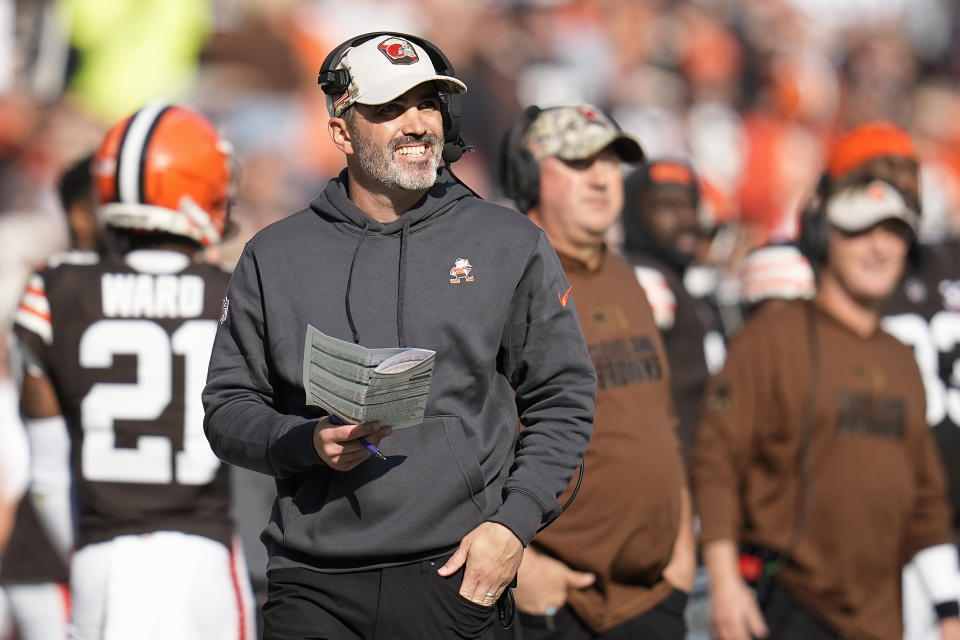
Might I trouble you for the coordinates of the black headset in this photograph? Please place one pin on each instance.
(813, 238)
(334, 82)
(814, 234)
(519, 171)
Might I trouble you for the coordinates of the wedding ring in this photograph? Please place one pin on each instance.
(491, 595)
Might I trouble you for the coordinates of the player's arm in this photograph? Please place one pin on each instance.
(40, 409)
(38, 399)
(50, 477)
(14, 452)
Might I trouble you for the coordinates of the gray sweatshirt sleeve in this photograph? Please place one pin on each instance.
(240, 421)
(544, 356)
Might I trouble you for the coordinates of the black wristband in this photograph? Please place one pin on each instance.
(948, 609)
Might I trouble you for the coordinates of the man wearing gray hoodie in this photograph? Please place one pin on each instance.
(397, 252)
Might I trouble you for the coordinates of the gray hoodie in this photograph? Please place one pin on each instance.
(509, 351)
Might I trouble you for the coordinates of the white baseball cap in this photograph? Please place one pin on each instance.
(859, 208)
(385, 67)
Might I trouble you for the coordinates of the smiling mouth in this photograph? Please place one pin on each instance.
(412, 151)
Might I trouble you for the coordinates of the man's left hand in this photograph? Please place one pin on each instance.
(492, 555)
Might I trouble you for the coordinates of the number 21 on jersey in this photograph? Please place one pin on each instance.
(152, 461)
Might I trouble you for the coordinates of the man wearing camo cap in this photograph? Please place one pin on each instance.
(618, 562)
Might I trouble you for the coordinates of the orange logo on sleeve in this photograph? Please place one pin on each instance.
(563, 298)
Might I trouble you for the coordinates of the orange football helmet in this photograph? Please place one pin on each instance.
(165, 169)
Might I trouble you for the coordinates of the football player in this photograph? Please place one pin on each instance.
(14, 462)
(35, 577)
(13, 451)
(117, 349)
(660, 239)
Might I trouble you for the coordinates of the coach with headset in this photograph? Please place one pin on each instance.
(397, 252)
(814, 474)
(620, 561)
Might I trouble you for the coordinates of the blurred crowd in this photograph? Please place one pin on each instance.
(749, 93)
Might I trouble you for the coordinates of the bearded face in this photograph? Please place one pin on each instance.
(407, 162)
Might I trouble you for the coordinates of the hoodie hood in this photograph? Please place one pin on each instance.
(334, 204)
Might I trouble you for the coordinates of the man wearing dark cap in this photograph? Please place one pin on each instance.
(620, 560)
(661, 234)
(814, 474)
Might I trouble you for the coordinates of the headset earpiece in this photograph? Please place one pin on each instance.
(813, 239)
(453, 147)
(334, 82)
(519, 171)
(814, 235)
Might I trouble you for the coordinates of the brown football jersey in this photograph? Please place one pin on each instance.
(30, 556)
(687, 329)
(924, 313)
(126, 342)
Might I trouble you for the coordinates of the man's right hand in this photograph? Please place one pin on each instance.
(337, 445)
(735, 613)
(733, 608)
(542, 583)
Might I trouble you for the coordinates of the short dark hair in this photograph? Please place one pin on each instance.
(76, 183)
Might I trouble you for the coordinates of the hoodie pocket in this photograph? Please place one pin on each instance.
(426, 496)
(465, 459)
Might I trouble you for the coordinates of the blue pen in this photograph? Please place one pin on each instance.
(366, 444)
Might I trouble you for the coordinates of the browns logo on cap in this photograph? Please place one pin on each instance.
(398, 51)
(381, 70)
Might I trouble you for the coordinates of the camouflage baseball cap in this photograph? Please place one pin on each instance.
(578, 132)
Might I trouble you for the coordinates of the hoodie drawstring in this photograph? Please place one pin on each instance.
(401, 281)
(353, 327)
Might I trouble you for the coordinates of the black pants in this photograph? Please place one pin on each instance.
(787, 620)
(663, 622)
(399, 603)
